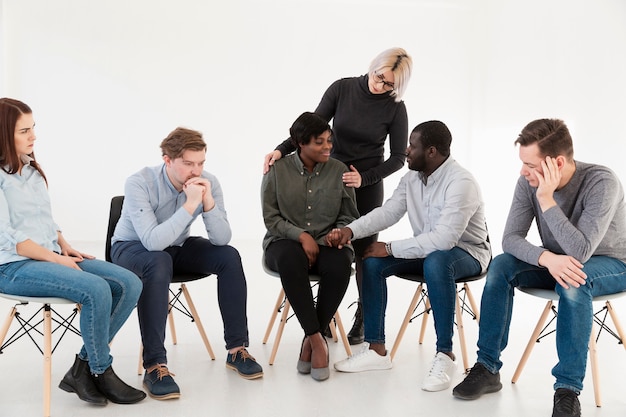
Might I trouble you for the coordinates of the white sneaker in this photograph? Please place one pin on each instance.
(365, 360)
(440, 375)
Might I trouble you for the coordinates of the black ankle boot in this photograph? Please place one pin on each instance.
(116, 390)
(356, 334)
(78, 380)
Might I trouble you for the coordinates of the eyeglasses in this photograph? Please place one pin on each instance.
(387, 86)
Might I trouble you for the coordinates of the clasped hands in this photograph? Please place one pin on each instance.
(339, 237)
(198, 189)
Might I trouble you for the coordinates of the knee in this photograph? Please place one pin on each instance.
(98, 292)
(500, 270)
(373, 267)
(132, 284)
(573, 295)
(229, 254)
(438, 264)
(159, 269)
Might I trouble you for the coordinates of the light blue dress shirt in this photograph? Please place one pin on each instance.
(25, 213)
(153, 212)
(445, 212)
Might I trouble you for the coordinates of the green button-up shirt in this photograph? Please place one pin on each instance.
(295, 200)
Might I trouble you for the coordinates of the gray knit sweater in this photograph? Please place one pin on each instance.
(589, 218)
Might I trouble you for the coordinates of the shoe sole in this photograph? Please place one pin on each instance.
(68, 388)
(244, 376)
(168, 396)
(436, 388)
(363, 370)
(320, 374)
(488, 390)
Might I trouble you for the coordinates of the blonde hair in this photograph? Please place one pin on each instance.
(398, 62)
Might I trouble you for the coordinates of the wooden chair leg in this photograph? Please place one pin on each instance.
(472, 302)
(333, 328)
(7, 324)
(270, 325)
(47, 359)
(424, 319)
(407, 319)
(140, 365)
(170, 319)
(196, 319)
(461, 332)
(616, 323)
(531, 343)
(595, 376)
(279, 332)
(342, 333)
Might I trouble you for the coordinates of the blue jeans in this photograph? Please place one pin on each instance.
(575, 311)
(440, 269)
(107, 294)
(155, 268)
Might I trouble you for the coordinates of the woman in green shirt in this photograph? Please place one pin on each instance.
(304, 198)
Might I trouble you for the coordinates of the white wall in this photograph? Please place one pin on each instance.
(108, 80)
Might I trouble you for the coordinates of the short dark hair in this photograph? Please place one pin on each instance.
(551, 136)
(181, 139)
(435, 133)
(306, 127)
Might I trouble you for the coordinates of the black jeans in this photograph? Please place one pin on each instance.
(333, 266)
(155, 268)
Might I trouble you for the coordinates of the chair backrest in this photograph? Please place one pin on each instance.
(114, 216)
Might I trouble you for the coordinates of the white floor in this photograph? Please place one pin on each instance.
(208, 388)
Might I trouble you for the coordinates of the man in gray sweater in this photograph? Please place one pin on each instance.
(580, 213)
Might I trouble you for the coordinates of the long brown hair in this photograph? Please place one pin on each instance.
(10, 111)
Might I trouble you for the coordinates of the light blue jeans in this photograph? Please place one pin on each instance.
(440, 270)
(575, 311)
(107, 294)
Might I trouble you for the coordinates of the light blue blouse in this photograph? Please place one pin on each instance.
(25, 213)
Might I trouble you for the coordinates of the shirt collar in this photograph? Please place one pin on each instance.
(26, 160)
(301, 167)
(166, 178)
(438, 173)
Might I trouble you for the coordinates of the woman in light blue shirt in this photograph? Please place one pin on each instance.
(37, 261)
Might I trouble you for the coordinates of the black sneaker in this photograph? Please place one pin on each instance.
(478, 381)
(566, 403)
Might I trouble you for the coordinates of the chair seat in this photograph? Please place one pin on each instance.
(41, 300)
(44, 325)
(541, 330)
(552, 295)
(283, 305)
(187, 277)
(420, 278)
(421, 298)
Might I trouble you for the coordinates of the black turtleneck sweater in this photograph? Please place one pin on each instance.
(361, 123)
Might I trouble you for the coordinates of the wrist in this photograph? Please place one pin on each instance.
(388, 248)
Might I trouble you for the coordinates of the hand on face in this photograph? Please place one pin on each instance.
(549, 181)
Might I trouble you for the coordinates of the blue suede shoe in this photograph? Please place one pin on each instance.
(159, 383)
(245, 365)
